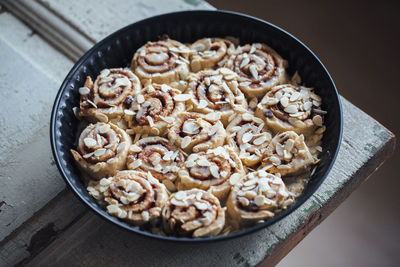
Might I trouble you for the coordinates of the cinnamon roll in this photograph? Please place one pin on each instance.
(156, 155)
(216, 91)
(103, 100)
(163, 62)
(102, 149)
(153, 109)
(257, 197)
(259, 68)
(249, 137)
(133, 196)
(210, 53)
(197, 132)
(287, 154)
(213, 170)
(193, 213)
(291, 108)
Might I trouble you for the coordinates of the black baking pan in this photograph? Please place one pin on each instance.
(117, 50)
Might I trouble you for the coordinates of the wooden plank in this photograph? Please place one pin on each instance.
(29, 177)
(92, 241)
(99, 18)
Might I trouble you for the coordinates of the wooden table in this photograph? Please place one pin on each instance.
(42, 223)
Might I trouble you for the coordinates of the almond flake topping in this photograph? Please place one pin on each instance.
(291, 109)
(202, 104)
(186, 141)
(214, 171)
(99, 152)
(234, 179)
(253, 71)
(84, 90)
(182, 97)
(140, 99)
(247, 137)
(89, 142)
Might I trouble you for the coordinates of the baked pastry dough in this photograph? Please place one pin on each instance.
(194, 213)
(156, 155)
(102, 150)
(287, 154)
(133, 196)
(153, 109)
(210, 53)
(257, 197)
(197, 132)
(213, 170)
(249, 137)
(291, 108)
(163, 62)
(259, 68)
(216, 91)
(103, 100)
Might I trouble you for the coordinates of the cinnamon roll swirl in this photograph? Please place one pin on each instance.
(156, 155)
(194, 213)
(163, 62)
(287, 154)
(257, 197)
(103, 100)
(133, 196)
(259, 68)
(214, 170)
(216, 91)
(291, 108)
(197, 132)
(153, 109)
(102, 149)
(210, 53)
(249, 137)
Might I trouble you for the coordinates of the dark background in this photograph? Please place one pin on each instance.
(359, 43)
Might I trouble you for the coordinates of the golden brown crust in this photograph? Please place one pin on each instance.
(291, 108)
(197, 132)
(103, 100)
(164, 61)
(153, 109)
(210, 53)
(257, 197)
(158, 156)
(259, 68)
(133, 196)
(249, 137)
(102, 150)
(216, 91)
(195, 213)
(211, 171)
(287, 154)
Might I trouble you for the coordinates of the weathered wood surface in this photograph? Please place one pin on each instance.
(92, 241)
(75, 239)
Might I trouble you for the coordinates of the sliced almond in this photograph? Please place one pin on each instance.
(99, 152)
(260, 140)
(291, 109)
(253, 71)
(234, 179)
(84, 90)
(259, 200)
(182, 97)
(214, 171)
(317, 120)
(186, 141)
(202, 104)
(247, 137)
(140, 99)
(247, 117)
(89, 142)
